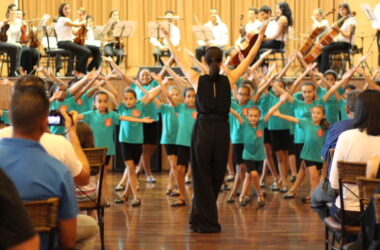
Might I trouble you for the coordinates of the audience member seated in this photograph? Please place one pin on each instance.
(324, 193)
(357, 145)
(37, 175)
(16, 229)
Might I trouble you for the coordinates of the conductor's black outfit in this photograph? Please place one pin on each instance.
(209, 151)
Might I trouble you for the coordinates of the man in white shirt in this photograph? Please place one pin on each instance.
(161, 47)
(253, 25)
(219, 31)
(376, 26)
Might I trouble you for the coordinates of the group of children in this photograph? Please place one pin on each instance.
(271, 125)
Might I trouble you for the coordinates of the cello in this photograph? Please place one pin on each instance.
(3, 31)
(314, 34)
(81, 35)
(325, 40)
(24, 36)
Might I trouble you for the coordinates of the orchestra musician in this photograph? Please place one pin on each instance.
(11, 45)
(252, 26)
(343, 41)
(219, 31)
(277, 31)
(29, 55)
(161, 47)
(90, 42)
(64, 32)
(112, 47)
(376, 26)
(318, 19)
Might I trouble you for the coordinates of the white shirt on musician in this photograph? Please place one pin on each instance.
(249, 28)
(220, 33)
(272, 31)
(376, 12)
(323, 23)
(175, 37)
(90, 37)
(14, 31)
(351, 21)
(64, 32)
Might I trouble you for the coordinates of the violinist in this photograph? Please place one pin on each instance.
(11, 45)
(219, 31)
(64, 32)
(89, 39)
(343, 41)
(161, 47)
(277, 31)
(112, 47)
(29, 55)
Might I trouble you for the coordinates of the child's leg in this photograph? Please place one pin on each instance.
(132, 177)
(230, 165)
(300, 177)
(188, 172)
(124, 179)
(270, 162)
(148, 150)
(172, 174)
(255, 180)
(239, 178)
(181, 171)
(292, 163)
(245, 186)
(105, 192)
(281, 158)
(314, 177)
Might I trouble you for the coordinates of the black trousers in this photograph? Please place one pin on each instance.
(29, 58)
(157, 54)
(209, 155)
(96, 57)
(199, 52)
(323, 59)
(110, 50)
(14, 53)
(81, 53)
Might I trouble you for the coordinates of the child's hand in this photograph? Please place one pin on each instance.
(147, 120)
(276, 113)
(156, 77)
(22, 71)
(284, 97)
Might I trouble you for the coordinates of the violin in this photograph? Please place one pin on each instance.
(81, 35)
(314, 34)
(118, 42)
(3, 31)
(33, 39)
(24, 36)
(325, 40)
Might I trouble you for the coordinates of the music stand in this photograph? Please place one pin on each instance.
(154, 29)
(124, 29)
(372, 18)
(202, 33)
(44, 19)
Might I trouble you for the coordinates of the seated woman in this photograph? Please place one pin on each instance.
(357, 145)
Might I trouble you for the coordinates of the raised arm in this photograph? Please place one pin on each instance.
(118, 71)
(370, 82)
(286, 117)
(191, 75)
(199, 64)
(235, 74)
(291, 59)
(297, 82)
(134, 119)
(238, 117)
(275, 107)
(164, 90)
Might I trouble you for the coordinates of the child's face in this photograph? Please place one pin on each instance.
(253, 116)
(190, 98)
(174, 93)
(317, 114)
(308, 93)
(145, 77)
(129, 100)
(277, 86)
(330, 79)
(101, 102)
(346, 92)
(243, 95)
(62, 93)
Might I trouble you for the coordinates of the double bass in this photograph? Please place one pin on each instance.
(325, 40)
(313, 35)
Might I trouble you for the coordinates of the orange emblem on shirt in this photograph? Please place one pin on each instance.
(245, 111)
(136, 113)
(259, 133)
(79, 101)
(320, 133)
(194, 114)
(108, 122)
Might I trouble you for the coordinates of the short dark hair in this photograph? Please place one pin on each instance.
(60, 9)
(187, 90)
(11, 6)
(367, 112)
(130, 90)
(245, 86)
(28, 81)
(351, 99)
(266, 9)
(111, 13)
(29, 105)
(331, 72)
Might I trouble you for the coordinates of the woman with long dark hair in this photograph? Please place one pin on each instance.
(210, 137)
(344, 40)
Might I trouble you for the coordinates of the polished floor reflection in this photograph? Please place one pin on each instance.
(281, 224)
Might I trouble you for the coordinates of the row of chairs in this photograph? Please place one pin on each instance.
(350, 173)
(44, 213)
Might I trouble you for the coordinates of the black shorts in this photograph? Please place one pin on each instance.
(254, 166)
(266, 136)
(151, 133)
(131, 152)
(237, 151)
(170, 149)
(292, 146)
(108, 158)
(183, 155)
(280, 139)
(319, 165)
(298, 148)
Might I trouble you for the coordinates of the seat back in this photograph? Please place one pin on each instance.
(367, 187)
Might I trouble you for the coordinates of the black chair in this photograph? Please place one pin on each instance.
(277, 55)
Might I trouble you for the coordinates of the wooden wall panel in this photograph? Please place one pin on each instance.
(140, 50)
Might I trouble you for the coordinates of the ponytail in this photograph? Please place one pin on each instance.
(214, 57)
(214, 70)
(324, 124)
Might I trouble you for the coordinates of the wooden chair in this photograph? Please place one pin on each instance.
(348, 174)
(97, 160)
(4, 60)
(44, 216)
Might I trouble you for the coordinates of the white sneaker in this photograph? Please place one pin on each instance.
(150, 179)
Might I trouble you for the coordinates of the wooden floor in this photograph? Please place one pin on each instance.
(282, 224)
